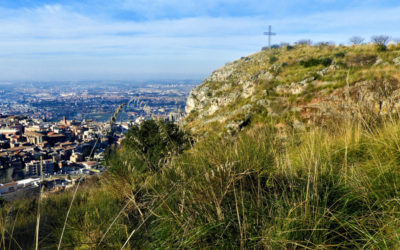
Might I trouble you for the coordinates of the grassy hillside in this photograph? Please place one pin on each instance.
(276, 182)
(307, 83)
(325, 188)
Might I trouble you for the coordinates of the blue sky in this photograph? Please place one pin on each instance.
(167, 39)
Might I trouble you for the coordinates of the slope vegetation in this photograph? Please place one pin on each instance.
(291, 148)
(308, 83)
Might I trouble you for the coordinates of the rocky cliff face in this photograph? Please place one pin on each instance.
(311, 83)
(223, 87)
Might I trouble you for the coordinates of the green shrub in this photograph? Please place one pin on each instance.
(339, 55)
(381, 47)
(151, 143)
(273, 59)
(289, 47)
(360, 59)
(325, 61)
(311, 62)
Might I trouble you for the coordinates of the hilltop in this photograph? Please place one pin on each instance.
(301, 84)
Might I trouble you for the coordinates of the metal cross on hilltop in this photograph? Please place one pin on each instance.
(269, 34)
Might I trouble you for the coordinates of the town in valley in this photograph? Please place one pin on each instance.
(57, 134)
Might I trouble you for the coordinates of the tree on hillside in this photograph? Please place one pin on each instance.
(356, 40)
(325, 43)
(380, 41)
(147, 146)
(304, 42)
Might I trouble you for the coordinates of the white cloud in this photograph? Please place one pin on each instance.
(53, 42)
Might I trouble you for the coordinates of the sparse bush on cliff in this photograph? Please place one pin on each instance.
(380, 42)
(339, 55)
(360, 59)
(311, 62)
(304, 42)
(356, 40)
(273, 59)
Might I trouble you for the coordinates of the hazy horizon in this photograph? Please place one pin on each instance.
(137, 40)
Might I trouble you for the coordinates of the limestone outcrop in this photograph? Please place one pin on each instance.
(282, 81)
